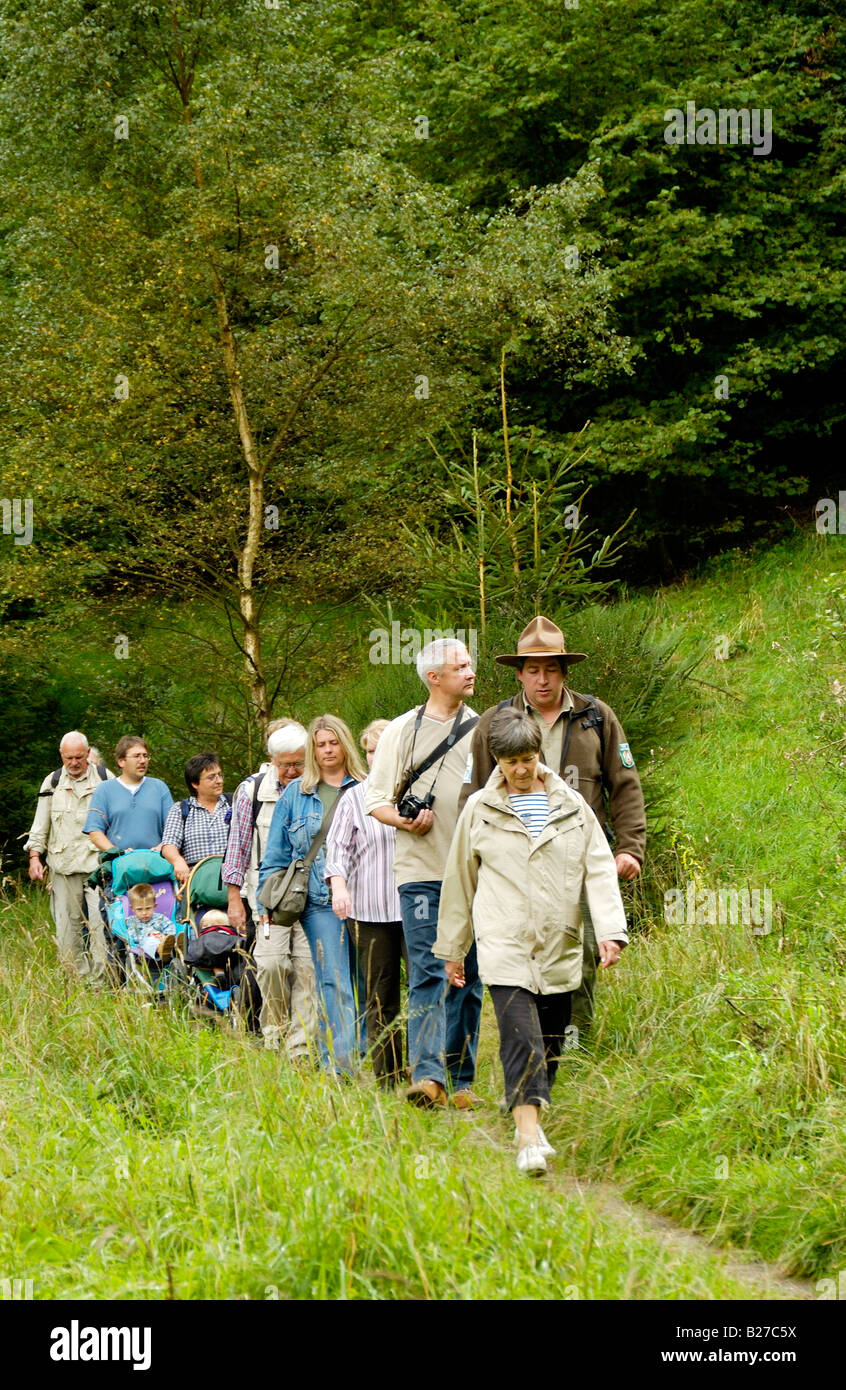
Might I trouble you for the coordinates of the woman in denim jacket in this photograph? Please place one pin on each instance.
(332, 763)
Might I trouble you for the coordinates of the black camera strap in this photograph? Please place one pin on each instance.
(458, 730)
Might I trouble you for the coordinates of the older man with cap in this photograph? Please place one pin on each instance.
(583, 740)
(57, 836)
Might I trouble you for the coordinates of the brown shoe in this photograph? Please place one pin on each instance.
(466, 1099)
(428, 1094)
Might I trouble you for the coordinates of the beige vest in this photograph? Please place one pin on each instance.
(68, 851)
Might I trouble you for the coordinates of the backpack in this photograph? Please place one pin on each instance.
(592, 719)
(257, 778)
(102, 773)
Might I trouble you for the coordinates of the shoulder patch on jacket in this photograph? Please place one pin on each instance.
(626, 755)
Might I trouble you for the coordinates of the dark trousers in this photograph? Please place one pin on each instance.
(381, 949)
(531, 1036)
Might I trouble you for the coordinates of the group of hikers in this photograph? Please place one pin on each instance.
(476, 850)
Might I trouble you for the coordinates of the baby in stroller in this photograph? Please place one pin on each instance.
(138, 903)
(211, 952)
(150, 931)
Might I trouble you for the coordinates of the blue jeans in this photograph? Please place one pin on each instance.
(443, 1022)
(328, 940)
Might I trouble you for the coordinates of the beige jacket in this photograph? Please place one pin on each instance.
(59, 818)
(519, 897)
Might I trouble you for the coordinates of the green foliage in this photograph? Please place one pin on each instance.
(36, 703)
(177, 686)
(759, 776)
(716, 1092)
(719, 263)
(516, 539)
(120, 252)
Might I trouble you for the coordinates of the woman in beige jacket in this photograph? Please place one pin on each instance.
(525, 848)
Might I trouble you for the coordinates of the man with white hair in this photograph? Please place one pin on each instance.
(284, 967)
(56, 834)
(414, 785)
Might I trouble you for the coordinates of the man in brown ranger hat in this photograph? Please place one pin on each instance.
(583, 740)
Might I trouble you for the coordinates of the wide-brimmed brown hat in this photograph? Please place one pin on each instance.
(541, 638)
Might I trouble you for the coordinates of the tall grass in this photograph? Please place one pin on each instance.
(146, 1156)
(715, 1093)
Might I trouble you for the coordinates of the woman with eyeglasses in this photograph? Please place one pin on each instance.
(199, 825)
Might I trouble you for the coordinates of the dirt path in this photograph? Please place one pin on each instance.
(758, 1275)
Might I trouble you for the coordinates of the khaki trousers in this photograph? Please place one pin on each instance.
(72, 905)
(285, 974)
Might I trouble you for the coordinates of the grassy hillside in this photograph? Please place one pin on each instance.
(142, 1154)
(761, 773)
(716, 1092)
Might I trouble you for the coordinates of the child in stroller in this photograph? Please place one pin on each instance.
(151, 931)
(212, 954)
(139, 906)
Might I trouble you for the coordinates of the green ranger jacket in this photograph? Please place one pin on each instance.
(607, 776)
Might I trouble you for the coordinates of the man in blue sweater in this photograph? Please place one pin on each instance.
(130, 811)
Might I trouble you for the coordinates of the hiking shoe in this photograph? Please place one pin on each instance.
(466, 1099)
(531, 1161)
(543, 1143)
(430, 1095)
(166, 946)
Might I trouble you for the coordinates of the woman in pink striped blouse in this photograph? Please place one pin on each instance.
(360, 870)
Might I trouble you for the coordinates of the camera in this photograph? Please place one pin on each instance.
(411, 806)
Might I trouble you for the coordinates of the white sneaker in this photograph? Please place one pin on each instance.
(543, 1143)
(531, 1161)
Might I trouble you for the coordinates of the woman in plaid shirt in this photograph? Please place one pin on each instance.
(186, 839)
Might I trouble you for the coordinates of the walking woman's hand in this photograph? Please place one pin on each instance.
(609, 953)
(341, 900)
(455, 973)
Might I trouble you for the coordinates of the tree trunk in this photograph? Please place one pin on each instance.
(509, 477)
(248, 608)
